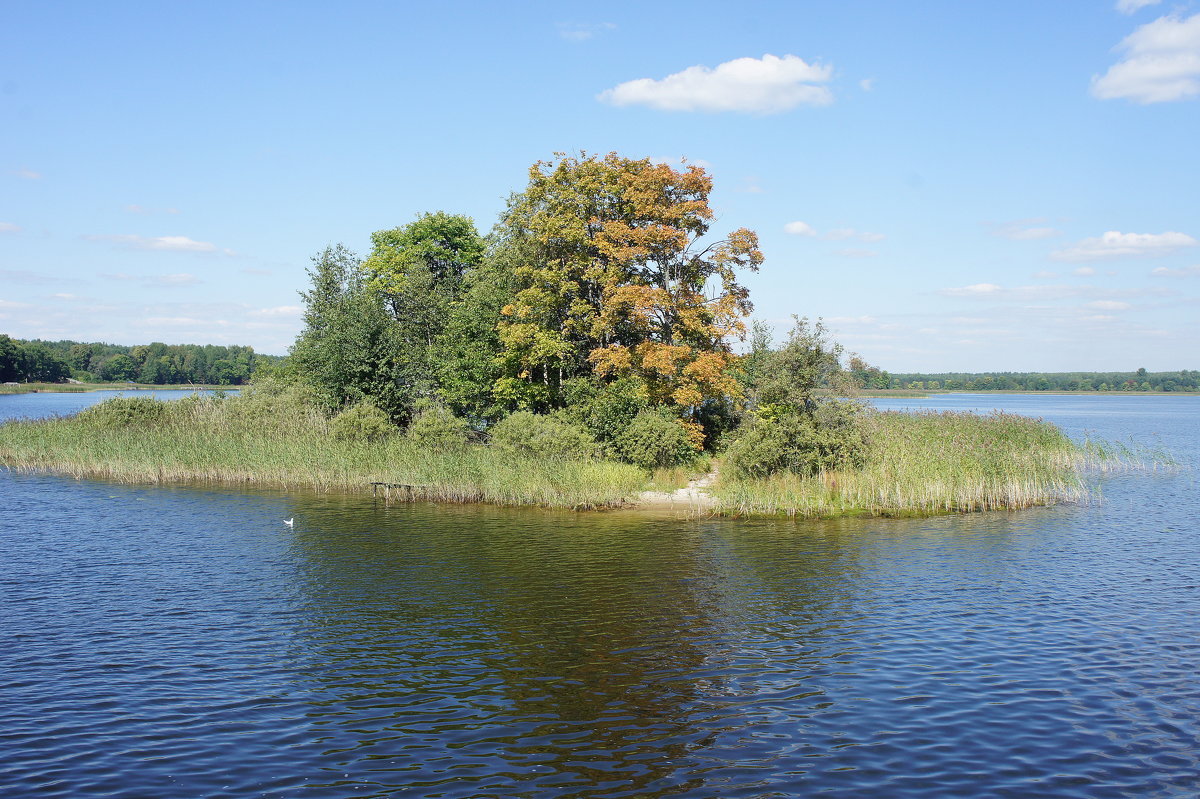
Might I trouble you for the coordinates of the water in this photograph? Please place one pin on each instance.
(41, 406)
(184, 642)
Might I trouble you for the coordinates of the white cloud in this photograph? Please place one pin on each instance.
(288, 311)
(855, 252)
(8, 304)
(582, 31)
(866, 84)
(851, 320)
(1084, 271)
(1045, 275)
(1024, 229)
(1187, 271)
(25, 276)
(837, 234)
(151, 281)
(748, 85)
(141, 209)
(9, 227)
(1026, 294)
(799, 229)
(1161, 63)
(974, 290)
(1028, 233)
(180, 279)
(1109, 305)
(1131, 6)
(28, 174)
(251, 270)
(161, 243)
(1125, 245)
(749, 185)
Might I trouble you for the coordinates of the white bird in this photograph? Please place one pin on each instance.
(288, 522)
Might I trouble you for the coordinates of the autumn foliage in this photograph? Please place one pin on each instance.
(617, 279)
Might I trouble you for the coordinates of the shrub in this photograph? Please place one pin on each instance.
(779, 438)
(605, 410)
(437, 428)
(274, 405)
(552, 437)
(362, 422)
(655, 439)
(126, 412)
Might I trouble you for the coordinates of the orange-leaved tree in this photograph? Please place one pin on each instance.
(616, 279)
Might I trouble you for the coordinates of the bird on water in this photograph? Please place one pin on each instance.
(288, 522)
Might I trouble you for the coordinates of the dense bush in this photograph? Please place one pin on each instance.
(362, 422)
(606, 410)
(437, 428)
(655, 439)
(126, 412)
(545, 437)
(780, 438)
(274, 404)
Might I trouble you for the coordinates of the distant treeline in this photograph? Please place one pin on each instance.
(1141, 380)
(157, 363)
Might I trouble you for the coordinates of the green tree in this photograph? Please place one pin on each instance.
(119, 367)
(11, 364)
(349, 350)
(421, 269)
(428, 274)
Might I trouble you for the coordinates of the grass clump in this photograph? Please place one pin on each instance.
(273, 436)
(925, 463)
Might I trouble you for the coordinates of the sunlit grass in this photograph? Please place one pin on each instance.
(250, 442)
(916, 464)
(925, 463)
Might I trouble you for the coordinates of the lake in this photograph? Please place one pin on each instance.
(162, 642)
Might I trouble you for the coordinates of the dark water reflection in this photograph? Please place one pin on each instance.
(184, 642)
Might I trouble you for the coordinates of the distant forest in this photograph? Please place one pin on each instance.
(156, 364)
(1141, 380)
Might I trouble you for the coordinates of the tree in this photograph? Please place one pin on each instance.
(11, 363)
(349, 350)
(421, 270)
(614, 280)
(119, 367)
(426, 274)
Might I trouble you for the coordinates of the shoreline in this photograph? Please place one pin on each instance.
(85, 388)
(916, 464)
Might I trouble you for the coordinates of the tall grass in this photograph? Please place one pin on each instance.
(923, 463)
(277, 441)
(916, 464)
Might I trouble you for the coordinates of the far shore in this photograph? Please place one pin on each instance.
(882, 393)
(79, 388)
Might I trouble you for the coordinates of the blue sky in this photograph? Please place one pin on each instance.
(952, 186)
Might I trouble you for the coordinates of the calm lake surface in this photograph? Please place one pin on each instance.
(183, 642)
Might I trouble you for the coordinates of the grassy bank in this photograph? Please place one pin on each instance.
(925, 463)
(916, 464)
(271, 442)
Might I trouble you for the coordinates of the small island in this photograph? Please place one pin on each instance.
(580, 356)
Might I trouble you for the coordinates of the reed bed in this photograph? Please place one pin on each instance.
(928, 463)
(260, 441)
(916, 463)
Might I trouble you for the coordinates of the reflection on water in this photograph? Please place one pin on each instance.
(163, 642)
